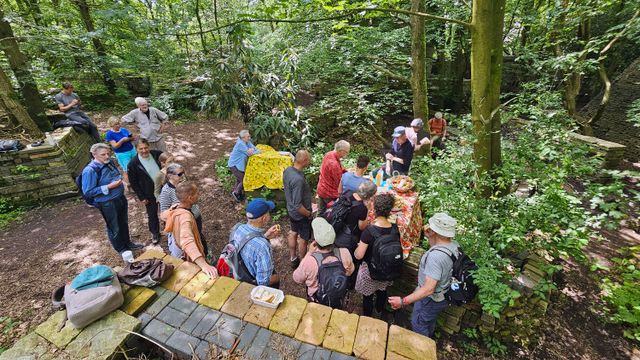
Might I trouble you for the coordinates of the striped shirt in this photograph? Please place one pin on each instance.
(168, 197)
(256, 255)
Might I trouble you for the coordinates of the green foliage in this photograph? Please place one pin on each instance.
(224, 175)
(30, 172)
(9, 212)
(495, 346)
(622, 291)
(633, 114)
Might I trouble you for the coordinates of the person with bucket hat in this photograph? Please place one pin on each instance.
(256, 254)
(434, 275)
(322, 248)
(401, 152)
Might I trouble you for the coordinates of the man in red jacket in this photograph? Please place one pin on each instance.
(331, 172)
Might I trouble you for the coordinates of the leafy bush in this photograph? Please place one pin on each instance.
(224, 175)
(9, 212)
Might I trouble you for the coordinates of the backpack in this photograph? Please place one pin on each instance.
(462, 288)
(94, 293)
(148, 272)
(88, 199)
(333, 282)
(336, 215)
(230, 262)
(386, 255)
(10, 145)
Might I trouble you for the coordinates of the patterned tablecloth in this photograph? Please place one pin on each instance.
(266, 168)
(409, 220)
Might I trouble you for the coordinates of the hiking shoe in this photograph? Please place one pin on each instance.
(295, 263)
(135, 246)
(155, 239)
(236, 197)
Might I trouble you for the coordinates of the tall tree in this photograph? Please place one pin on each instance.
(103, 65)
(21, 69)
(9, 102)
(419, 61)
(487, 24)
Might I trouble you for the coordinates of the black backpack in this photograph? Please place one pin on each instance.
(333, 282)
(386, 255)
(337, 214)
(462, 288)
(88, 199)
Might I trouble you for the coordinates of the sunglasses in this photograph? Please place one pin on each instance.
(180, 174)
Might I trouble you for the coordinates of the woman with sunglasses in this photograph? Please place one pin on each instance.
(168, 197)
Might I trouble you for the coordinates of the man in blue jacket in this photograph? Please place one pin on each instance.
(102, 183)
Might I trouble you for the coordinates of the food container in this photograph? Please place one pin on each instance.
(266, 296)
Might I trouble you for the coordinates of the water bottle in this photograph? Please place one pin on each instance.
(379, 176)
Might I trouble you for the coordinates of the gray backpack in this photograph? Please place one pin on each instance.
(97, 296)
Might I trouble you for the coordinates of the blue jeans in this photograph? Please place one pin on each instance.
(424, 316)
(116, 214)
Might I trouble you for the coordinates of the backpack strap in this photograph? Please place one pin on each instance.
(57, 298)
(320, 257)
(449, 254)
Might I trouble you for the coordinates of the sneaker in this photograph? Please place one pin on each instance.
(135, 246)
(295, 263)
(236, 197)
(155, 239)
(127, 256)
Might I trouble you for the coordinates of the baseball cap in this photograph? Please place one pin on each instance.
(417, 122)
(323, 232)
(258, 207)
(398, 131)
(443, 224)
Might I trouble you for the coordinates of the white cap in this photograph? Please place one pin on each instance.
(443, 224)
(323, 232)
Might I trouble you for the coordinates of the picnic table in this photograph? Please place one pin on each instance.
(266, 168)
(408, 218)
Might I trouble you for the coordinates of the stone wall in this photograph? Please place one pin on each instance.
(46, 172)
(611, 152)
(518, 321)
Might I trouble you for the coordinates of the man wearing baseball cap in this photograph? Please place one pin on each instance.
(418, 137)
(401, 152)
(321, 249)
(256, 254)
(434, 275)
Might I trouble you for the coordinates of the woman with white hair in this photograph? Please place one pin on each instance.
(238, 162)
(151, 123)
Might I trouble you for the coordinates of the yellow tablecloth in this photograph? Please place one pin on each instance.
(265, 169)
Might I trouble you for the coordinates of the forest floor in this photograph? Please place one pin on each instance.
(51, 244)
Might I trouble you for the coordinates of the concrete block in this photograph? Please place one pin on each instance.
(340, 356)
(306, 351)
(181, 275)
(411, 345)
(218, 294)
(136, 299)
(313, 324)
(221, 338)
(281, 347)
(194, 319)
(157, 330)
(371, 339)
(183, 343)
(341, 332)
(259, 344)
(172, 317)
(144, 318)
(151, 254)
(206, 323)
(164, 298)
(246, 337)
(183, 304)
(239, 302)
(287, 316)
(202, 351)
(49, 330)
(197, 286)
(230, 324)
(103, 338)
(321, 354)
(259, 315)
(29, 347)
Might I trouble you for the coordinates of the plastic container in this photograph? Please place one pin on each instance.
(258, 291)
(379, 176)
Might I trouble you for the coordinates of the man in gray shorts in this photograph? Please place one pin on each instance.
(69, 103)
(297, 193)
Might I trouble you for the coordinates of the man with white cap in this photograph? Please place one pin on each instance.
(418, 137)
(321, 251)
(434, 275)
(401, 152)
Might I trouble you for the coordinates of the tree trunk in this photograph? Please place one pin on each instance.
(97, 45)
(9, 102)
(419, 62)
(486, 75)
(204, 44)
(21, 69)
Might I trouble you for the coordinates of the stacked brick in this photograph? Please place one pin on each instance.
(46, 172)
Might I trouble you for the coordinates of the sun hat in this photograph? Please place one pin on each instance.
(417, 122)
(398, 131)
(258, 207)
(443, 224)
(323, 232)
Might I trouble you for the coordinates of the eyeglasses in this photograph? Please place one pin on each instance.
(180, 174)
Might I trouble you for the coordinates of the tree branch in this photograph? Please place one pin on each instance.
(327, 18)
(620, 34)
(391, 74)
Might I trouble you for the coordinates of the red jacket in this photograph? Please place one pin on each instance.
(330, 174)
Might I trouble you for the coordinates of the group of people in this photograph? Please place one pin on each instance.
(316, 246)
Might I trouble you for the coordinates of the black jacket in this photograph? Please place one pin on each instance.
(141, 183)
